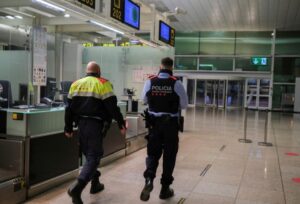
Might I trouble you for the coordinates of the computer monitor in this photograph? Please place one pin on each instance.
(50, 89)
(5, 94)
(65, 87)
(23, 94)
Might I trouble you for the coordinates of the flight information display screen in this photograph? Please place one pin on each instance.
(126, 12)
(132, 14)
(166, 33)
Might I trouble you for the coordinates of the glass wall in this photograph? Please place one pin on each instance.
(15, 59)
(187, 43)
(216, 63)
(216, 43)
(288, 42)
(212, 48)
(253, 43)
(283, 96)
(286, 69)
(245, 64)
(186, 63)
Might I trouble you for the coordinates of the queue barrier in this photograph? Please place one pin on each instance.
(245, 140)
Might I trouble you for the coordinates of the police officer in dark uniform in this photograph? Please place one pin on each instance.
(165, 96)
(91, 103)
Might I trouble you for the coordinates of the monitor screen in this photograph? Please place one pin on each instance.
(132, 14)
(164, 32)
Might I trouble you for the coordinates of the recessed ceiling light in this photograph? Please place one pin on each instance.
(49, 5)
(67, 15)
(19, 17)
(105, 26)
(10, 17)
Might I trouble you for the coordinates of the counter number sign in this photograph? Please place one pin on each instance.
(172, 38)
(117, 7)
(89, 3)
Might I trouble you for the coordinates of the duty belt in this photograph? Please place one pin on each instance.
(91, 117)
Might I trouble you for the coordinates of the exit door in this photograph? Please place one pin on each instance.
(210, 93)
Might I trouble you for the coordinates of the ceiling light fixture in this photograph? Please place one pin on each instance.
(67, 15)
(105, 26)
(49, 5)
(19, 17)
(10, 17)
(19, 12)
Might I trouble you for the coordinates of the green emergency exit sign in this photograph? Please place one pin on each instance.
(259, 61)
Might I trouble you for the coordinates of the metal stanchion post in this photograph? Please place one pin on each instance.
(245, 140)
(265, 143)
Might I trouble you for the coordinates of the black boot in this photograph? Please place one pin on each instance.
(145, 195)
(96, 186)
(75, 191)
(166, 192)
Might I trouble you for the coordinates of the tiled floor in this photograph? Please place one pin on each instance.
(240, 173)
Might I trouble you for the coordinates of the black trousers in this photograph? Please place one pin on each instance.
(163, 140)
(91, 145)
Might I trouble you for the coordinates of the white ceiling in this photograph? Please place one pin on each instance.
(234, 14)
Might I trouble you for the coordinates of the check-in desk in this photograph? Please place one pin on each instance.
(35, 155)
(48, 157)
(136, 132)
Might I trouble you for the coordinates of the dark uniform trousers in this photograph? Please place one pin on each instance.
(90, 139)
(163, 139)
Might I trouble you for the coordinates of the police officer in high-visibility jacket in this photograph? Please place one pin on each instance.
(165, 96)
(91, 102)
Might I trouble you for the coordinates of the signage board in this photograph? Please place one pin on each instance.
(89, 3)
(166, 33)
(259, 61)
(127, 12)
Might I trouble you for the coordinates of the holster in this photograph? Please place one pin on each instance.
(181, 123)
(149, 121)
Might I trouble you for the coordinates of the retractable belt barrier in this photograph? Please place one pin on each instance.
(245, 140)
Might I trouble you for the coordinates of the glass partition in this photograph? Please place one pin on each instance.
(217, 43)
(216, 63)
(245, 64)
(287, 42)
(15, 66)
(286, 69)
(187, 43)
(253, 43)
(186, 63)
(283, 96)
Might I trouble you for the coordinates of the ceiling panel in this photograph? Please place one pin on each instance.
(235, 14)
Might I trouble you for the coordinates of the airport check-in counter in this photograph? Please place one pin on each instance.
(35, 154)
(136, 132)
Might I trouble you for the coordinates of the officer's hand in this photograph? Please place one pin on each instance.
(69, 134)
(123, 131)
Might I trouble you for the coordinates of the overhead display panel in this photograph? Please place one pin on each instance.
(126, 12)
(166, 33)
(89, 3)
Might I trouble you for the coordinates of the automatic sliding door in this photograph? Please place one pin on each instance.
(235, 93)
(220, 93)
(200, 93)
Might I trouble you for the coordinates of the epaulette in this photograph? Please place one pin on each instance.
(152, 76)
(174, 78)
(102, 80)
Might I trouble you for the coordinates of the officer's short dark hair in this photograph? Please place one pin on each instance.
(167, 62)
